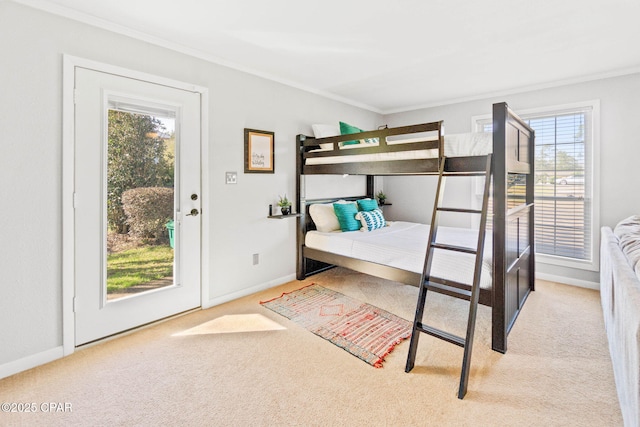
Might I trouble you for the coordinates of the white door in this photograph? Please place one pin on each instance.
(137, 203)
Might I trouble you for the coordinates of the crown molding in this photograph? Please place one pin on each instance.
(94, 21)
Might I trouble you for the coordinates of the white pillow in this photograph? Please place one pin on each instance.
(324, 216)
(325, 131)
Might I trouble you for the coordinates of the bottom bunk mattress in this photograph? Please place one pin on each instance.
(403, 245)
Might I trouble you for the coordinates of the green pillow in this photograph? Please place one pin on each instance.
(367, 205)
(347, 129)
(346, 213)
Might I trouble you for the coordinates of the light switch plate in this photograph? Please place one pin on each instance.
(231, 177)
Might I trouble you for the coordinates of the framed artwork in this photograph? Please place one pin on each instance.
(258, 151)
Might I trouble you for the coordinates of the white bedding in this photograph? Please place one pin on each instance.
(455, 145)
(403, 245)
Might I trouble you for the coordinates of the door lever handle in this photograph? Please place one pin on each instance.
(194, 212)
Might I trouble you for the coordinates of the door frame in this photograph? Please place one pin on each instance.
(70, 63)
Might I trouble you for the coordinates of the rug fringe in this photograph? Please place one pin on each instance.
(378, 363)
(286, 293)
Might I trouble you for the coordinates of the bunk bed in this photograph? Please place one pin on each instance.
(418, 150)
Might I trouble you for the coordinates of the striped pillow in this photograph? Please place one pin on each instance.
(371, 220)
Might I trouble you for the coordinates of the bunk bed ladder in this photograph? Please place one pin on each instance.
(449, 287)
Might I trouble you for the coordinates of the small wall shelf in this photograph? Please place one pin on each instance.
(292, 215)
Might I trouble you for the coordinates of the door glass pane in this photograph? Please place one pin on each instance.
(139, 202)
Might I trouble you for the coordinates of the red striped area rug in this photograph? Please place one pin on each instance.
(363, 330)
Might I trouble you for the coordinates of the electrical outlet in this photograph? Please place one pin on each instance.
(231, 177)
(256, 259)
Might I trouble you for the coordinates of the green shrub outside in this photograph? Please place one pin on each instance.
(148, 209)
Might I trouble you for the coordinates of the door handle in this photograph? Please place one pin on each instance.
(194, 212)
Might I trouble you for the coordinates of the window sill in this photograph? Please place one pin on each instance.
(567, 262)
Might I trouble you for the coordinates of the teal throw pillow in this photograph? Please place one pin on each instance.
(346, 213)
(347, 129)
(367, 204)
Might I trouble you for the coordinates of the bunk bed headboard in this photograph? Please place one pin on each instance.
(305, 223)
(308, 221)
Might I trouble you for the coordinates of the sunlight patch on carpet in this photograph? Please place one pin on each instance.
(234, 323)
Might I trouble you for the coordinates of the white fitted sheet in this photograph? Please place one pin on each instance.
(404, 244)
(455, 145)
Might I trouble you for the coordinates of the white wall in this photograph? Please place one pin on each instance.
(619, 151)
(33, 44)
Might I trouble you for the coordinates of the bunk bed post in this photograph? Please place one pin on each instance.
(370, 185)
(531, 182)
(498, 303)
(301, 207)
(440, 140)
(513, 220)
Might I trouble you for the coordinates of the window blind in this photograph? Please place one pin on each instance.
(562, 194)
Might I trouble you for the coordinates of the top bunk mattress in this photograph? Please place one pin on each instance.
(455, 145)
(403, 245)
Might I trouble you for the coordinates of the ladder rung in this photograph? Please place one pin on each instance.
(453, 248)
(460, 210)
(475, 173)
(450, 283)
(450, 289)
(438, 333)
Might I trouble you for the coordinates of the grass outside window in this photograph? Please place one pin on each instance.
(137, 266)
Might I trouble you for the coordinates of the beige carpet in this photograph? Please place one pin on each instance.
(234, 365)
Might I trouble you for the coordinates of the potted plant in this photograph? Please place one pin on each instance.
(285, 205)
(381, 197)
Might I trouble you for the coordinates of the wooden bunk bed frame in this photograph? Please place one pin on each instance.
(513, 272)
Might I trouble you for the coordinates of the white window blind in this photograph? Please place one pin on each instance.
(563, 205)
(564, 176)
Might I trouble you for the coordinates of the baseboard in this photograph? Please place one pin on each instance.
(248, 291)
(11, 368)
(568, 281)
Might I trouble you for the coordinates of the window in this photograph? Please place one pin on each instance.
(566, 224)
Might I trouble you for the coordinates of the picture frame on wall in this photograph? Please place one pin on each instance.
(258, 151)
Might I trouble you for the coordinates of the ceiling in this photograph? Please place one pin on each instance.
(388, 55)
